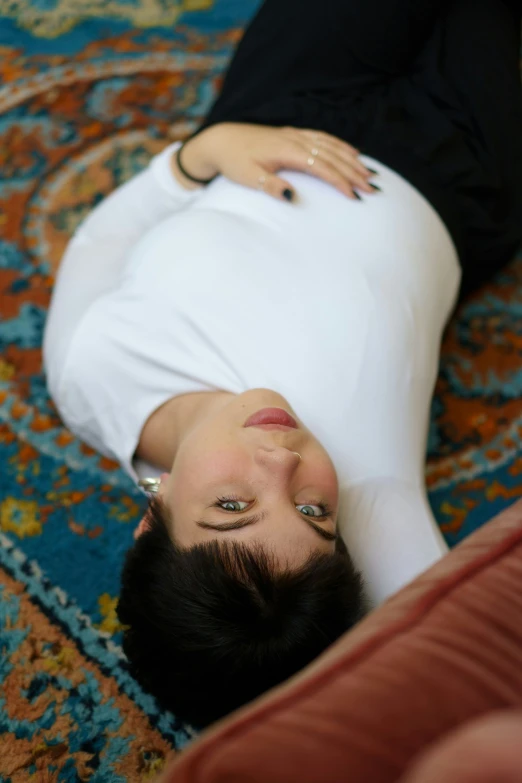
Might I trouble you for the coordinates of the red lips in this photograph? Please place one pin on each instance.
(271, 416)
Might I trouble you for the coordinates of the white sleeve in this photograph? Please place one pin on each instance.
(386, 521)
(98, 251)
(390, 532)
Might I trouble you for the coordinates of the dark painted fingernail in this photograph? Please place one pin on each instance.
(357, 195)
(372, 170)
(287, 193)
(376, 187)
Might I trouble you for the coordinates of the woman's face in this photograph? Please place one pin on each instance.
(271, 484)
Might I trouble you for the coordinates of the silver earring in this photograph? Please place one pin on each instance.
(150, 485)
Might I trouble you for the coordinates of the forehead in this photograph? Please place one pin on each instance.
(212, 464)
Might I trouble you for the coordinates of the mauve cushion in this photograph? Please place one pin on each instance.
(484, 750)
(445, 649)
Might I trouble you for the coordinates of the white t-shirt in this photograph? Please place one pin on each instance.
(338, 305)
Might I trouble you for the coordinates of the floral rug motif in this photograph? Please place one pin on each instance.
(89, 91)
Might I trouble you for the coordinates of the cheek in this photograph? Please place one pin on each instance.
(327, 476)
(196, 468)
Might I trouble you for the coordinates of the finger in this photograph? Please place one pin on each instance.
(327, 138)
(338, 150)
(315, 137)
(351, 173)
(271, 184)
(298, 157)
(324, 170)
(335, 154)
(331, 141)
(319, 140)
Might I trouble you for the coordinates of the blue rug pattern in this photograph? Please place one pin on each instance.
(90, 90)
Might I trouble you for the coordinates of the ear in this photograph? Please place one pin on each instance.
(142, 527)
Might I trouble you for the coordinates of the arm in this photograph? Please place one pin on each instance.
(386, 520)
(97, 252)
(96, 255)
(390, 532)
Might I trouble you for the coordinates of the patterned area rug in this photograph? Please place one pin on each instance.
(90, 90)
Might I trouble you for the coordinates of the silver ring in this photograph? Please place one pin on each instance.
(296, 452)
(150, 485)
(261, 182)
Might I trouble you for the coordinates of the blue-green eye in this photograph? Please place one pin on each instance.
(229, 504)
(312, 511)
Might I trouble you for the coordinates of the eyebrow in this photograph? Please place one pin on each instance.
(238, 524)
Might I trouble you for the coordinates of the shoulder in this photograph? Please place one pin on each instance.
(110, 379)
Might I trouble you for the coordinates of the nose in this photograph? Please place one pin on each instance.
(279, 461)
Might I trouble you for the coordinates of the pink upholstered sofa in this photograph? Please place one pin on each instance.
(426, 689)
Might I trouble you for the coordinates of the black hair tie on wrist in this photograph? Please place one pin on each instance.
(185, 172)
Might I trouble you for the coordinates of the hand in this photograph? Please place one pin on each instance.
(246, 154)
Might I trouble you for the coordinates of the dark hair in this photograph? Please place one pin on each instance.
(211, 627)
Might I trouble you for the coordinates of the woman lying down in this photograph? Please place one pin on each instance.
(252, 325)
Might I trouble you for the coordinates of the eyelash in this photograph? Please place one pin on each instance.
(326, 509)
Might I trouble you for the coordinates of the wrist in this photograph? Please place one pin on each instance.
(196, 159)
